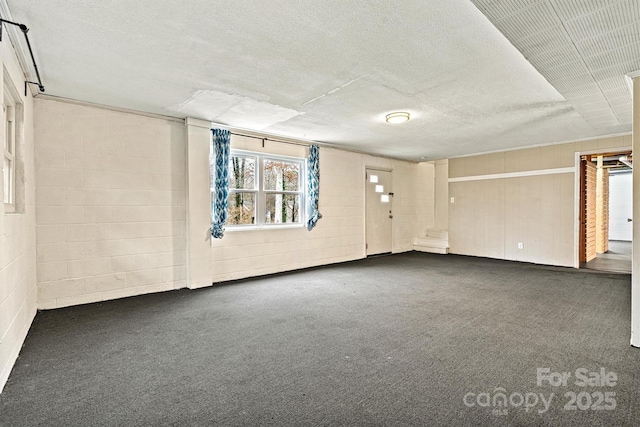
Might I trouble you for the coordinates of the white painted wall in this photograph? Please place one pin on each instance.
(339, 235)
(111, 201)
(111, 204)
(442, 195)
(106, 213)
(17, 237)
(426, 191)
(620, 206)
(519, 204)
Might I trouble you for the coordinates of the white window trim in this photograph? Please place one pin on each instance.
(9, 145)
(260, 199)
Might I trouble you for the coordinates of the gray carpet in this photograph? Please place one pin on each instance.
(616, 260)
(396, 340)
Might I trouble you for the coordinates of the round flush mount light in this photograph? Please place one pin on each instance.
(397, 117)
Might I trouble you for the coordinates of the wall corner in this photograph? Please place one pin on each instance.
(198, 204)
(635, 265)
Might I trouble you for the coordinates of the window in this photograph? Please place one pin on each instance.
(242, 190)
(9, 168)
(12, 119)
(265, 190)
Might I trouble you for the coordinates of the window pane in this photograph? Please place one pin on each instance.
(279, 175)
(242, 209)
(7, 181)
(282, 209)
(242, 172)
(5, 143)
(9, 137)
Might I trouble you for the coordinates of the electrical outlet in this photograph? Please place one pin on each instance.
(520, 245)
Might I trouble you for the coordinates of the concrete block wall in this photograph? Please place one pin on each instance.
(111, 204)
(112, 201)
(17, 235)
(413, 203)
(339, 235)
(442, 195)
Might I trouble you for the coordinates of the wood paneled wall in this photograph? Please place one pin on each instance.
(590, 214)
(602, 210)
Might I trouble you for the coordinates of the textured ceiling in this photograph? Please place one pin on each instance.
(329, 70)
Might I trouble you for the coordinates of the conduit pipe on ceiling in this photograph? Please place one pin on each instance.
(25, 30)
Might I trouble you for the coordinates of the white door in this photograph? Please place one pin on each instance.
(379, 213)
(621, 206)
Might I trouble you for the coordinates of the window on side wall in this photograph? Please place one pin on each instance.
(12, 135)
(265, 190)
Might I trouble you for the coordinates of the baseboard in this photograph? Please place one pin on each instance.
(4, 376)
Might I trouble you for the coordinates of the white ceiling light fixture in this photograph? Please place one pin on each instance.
(397, 117)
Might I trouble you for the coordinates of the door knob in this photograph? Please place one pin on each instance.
(629, 220)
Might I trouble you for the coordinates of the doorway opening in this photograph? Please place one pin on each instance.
(605, 211)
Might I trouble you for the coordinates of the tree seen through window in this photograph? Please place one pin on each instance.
(281, 208)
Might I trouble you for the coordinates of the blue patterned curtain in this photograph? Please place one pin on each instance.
(220, 200)
(313, 179)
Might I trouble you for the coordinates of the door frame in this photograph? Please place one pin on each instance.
(577, 192)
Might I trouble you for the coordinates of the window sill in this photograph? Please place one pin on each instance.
(10, 209)
(234, 229)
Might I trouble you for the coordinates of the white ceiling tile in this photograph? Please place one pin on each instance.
(578, 80)
(563, 71)
(551, 58)
(604, 20)
(531, 20)
(620, 103)
(622, 112)
(533, 45)
(573, 9)
(578, 91)
(614, 87)
(606, 42)
(625, 118)
(616, 70)
(605, 123)
(604, 114)
(623, 54)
